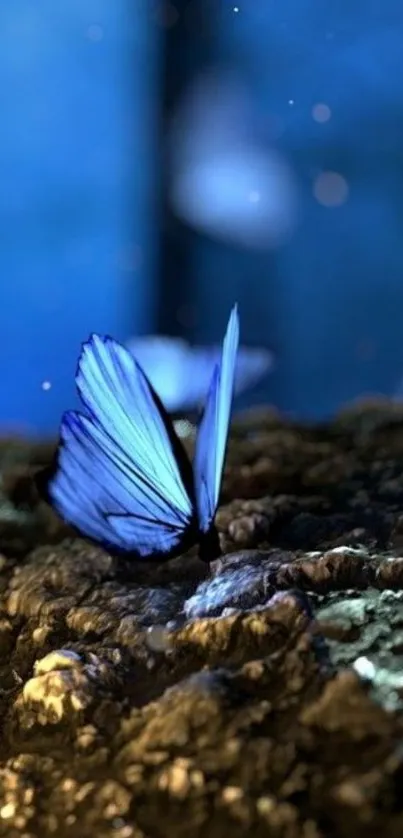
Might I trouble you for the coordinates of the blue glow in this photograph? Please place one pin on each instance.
(76, 215)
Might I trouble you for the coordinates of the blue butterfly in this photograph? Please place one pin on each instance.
(122, 476)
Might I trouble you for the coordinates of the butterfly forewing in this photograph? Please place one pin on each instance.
(213, 432)
(115, 390)
(120, 470)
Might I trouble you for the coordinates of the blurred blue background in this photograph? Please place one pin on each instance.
(161, 160)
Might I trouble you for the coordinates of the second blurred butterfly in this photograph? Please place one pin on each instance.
(181, 373)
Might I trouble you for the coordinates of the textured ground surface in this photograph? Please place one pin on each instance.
(264, 699)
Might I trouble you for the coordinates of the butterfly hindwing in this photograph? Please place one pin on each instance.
(213, 431)
(123, 477)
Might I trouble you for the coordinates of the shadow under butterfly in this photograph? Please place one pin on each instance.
(122, 476)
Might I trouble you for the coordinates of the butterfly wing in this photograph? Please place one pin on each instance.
(165, 360)
(213, 431)
(123, 476)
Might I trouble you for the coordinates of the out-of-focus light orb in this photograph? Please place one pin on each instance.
(8, 811)
(46, 385)
(330, 189)
(291, 101)
(215, 196)
(184, 429)
(236, 9)
(225, 181)
(321, 112)
(95, 32)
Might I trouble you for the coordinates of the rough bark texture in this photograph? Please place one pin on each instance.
(261, 698)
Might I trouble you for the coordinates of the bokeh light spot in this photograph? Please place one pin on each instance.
(330, 189)
(321, 112)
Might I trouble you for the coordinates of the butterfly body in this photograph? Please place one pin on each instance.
(209, 545)
(122, 476)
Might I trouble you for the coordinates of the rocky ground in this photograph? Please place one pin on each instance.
(262, 697)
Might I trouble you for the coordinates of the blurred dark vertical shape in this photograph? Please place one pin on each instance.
(78, 227)
(186, 49)
(203, 277)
